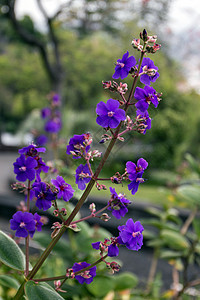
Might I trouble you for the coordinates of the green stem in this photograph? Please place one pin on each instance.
(27, 239)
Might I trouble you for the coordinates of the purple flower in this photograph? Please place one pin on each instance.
(77, 143)
(131, 234)
(113, 250)
(56, 100)
(42, 140)
(41, 166)
(43, 194)
(86, 276)
(109, 114)
(96, 245)
(145, 96)
(53, 125)
(145, 119)
(81, 176)
(45, 112)
(32, 150)
(65, 190)
(135, 174)
(150, 71)
(118, 204)
(123, 66)
(38, 224)
(25, 168)
(23, 223)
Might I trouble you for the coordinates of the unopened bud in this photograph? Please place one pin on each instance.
(152, 39)
(120, 138)
(92, 207)
(63, 211)
(105, 217)
(143, 35)
(106, 84)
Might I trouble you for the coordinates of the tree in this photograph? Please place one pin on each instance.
(47, 46)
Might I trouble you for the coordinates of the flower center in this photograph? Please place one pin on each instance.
(86, 274)
(23, 168)
(135, 234)
(138, 169)
(22, 225)
(41, 195)
(120, 64)
(151, 72)
(149, 99)
(110, 113)
(140, 180)
(62, 187)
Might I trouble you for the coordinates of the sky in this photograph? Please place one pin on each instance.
(182, 15)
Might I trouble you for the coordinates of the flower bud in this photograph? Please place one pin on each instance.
(92, 207)
(143, 35)
(105, 217)
(106, 84)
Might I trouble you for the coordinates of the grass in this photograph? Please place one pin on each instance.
(146, 193)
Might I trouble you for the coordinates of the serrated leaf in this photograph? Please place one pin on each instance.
(101, 286)
(41, 291)
(174, 240)
(125, 281)
(190, 193)
(10, 253)
(9, 281)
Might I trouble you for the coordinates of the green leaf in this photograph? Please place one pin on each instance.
(193, 163)
(174, 240)
(154, 211)
(9, 281)
(10, 253)
(61, 249)
(148, 234)
(155, 243)
(196, 226)
(101, 286)
(41, 291)
(153, 222)
(190, 193)
(125, 281)
(169, 254)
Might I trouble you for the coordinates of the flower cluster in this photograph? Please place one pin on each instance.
(113, 117)
(130, 235)
(52, 120)
(28, 168)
